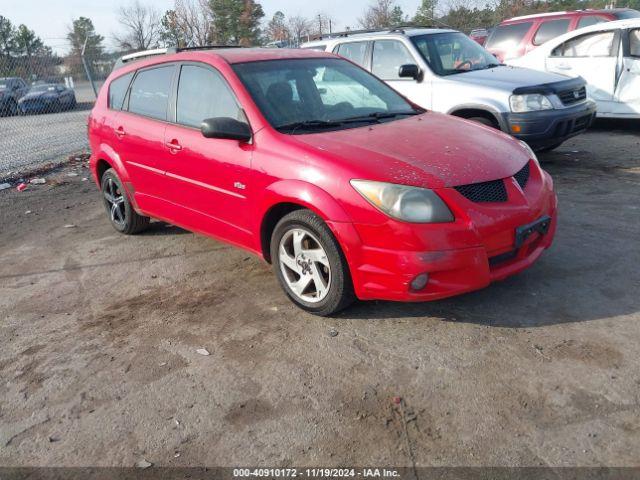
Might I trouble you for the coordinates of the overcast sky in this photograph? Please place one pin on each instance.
(50, 18)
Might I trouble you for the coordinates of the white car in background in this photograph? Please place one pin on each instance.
(606, 55)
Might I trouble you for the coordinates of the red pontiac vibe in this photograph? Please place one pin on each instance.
(315, 165)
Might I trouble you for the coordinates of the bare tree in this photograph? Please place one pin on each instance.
(141, 26)
(381, 13)
(300, 28)
(194, 19)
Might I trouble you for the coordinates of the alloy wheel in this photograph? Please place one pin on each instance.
(304, 265)
(115, 202)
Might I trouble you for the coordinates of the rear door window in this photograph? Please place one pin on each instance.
(202, 94)
(550, 29)
(634, 43)
(505, 37)
(354, 51)
(388, 57)
(118, 90)
(598, 44)
(150, 92)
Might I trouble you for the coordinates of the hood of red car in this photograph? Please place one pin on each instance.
(431, 150)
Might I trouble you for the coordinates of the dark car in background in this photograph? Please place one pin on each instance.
(517, 36)
(11, 90)
(47, 98)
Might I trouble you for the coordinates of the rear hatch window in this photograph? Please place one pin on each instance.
(624, 14)
(507, 37)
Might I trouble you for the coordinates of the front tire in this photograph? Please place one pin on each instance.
(119, 209)
(310, 265)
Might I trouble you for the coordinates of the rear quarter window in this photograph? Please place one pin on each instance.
(550, 29)
(509, 36)
(118, 90)
(591, 20)
(598, 44)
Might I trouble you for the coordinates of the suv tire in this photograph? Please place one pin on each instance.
(310, 265)
(121, 213)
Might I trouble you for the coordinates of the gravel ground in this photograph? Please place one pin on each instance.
(100, 332)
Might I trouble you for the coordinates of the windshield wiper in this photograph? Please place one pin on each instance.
(309, 125)
(377, 116)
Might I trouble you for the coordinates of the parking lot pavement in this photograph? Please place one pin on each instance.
(99, 361)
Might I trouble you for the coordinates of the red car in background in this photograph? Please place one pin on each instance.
(312, 163)
(519, 35)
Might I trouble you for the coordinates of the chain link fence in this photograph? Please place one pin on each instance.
(44, 106)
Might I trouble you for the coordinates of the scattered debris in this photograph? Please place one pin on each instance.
(144, 464)
(38, 181)
(154, 276)
(203, 351)
(72, 174)
(163, 364)
(176, 455)
(27, 212)
(53, 439)
(397, 400)
(84, 179)
(274, 309)
(4, 186)
(333, 332)
(70, 225)
(22, 187)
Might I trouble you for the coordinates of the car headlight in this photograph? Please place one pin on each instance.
(409, 204)
(529, 103)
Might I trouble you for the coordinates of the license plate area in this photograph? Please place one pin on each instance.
(540, 226)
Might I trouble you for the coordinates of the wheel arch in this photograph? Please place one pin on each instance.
(286, 196)
(472, 110)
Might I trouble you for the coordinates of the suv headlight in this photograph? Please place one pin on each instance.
(409, 204)
(529, 103)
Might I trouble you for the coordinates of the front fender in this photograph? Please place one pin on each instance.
(305, 194)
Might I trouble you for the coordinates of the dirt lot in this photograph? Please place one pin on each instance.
(100, 331)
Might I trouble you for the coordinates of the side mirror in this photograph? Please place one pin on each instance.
(409, 71)
(226, 128)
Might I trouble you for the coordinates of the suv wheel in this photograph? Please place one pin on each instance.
(121, 214)
(310, 265)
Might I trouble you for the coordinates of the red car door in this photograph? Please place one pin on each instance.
(207, 178)
(139, 130)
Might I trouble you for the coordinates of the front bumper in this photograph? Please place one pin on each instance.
(466, 255)
(550, 127)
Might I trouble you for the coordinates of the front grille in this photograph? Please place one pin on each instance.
(522, 177)
(485, 192)
(569, 97)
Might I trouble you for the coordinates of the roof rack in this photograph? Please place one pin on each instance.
(132, 57)
(395, 29)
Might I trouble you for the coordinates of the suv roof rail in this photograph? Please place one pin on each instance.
(131, 57)
(394, 29)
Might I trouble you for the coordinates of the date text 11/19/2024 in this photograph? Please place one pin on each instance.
(315, 472)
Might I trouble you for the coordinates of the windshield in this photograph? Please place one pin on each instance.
(451, 53)
(297, 96)
(43, 88)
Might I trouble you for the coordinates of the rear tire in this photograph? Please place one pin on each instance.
(305, 252)
(119, 209)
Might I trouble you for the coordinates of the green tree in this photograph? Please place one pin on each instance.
(7, 37)
(82, 29)
(397, 16)
(171, 34)
(28, 43)
(236, 21)
(426, 13)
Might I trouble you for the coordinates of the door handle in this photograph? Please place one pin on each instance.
(564, 67)
(120, 132)
(174, 146)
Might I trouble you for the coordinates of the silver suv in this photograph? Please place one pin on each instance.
(446, 71)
